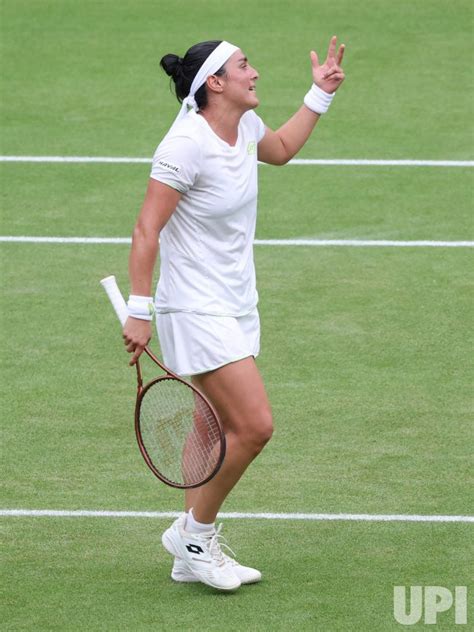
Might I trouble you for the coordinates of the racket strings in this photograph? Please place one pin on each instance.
(179, 432)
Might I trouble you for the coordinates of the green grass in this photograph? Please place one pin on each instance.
(340, 576)
(295, 201)
(373, 365)
(82, 78)
(366, 353)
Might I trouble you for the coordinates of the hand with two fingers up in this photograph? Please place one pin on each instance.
(329, 75)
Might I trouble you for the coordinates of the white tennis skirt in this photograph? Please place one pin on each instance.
(197, 343)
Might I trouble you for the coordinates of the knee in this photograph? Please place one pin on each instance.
(260, 432)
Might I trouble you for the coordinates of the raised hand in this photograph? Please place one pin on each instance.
(329, 75)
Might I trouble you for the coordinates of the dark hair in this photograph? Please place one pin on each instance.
(183, 70)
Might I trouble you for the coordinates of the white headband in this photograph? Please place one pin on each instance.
(216, 60)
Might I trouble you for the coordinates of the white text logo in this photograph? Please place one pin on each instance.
(431, 600)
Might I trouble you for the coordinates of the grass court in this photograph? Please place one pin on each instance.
(366, 352)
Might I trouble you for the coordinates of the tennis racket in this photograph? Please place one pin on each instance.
(178, 431)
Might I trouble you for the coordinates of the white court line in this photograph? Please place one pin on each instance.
(295, 161)
(356, 243)
(80, 513)
(65, 240)
(361, 243)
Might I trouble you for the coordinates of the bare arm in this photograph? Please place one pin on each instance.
(278, 147)
(160, 203)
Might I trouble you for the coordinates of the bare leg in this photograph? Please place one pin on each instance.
(238, 394)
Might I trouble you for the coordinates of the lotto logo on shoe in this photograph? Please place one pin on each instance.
(194, 548)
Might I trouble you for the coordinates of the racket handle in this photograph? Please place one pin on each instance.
(115, 296)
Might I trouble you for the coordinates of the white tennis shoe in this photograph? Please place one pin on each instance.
(247, 575)
(201, 555)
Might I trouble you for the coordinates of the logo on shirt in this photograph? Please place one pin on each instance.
(252, 148)
(169, 166)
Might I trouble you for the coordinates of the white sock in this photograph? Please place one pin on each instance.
(193, 526)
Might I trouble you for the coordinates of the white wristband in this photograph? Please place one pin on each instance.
(317, 100)
(141, 307)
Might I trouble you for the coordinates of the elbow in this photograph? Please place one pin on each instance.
(285, 160)
(143, 234)
(139, 233)
(285, 154)
(280, 159)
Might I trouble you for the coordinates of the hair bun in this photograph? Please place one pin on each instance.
(184, 71)
(172, 65)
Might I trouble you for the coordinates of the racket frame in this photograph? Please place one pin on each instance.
(118, 302)
(141, 391)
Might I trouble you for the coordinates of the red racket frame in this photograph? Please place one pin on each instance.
(141, 390)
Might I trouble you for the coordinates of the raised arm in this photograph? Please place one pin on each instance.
(160, 202)
(278, 147)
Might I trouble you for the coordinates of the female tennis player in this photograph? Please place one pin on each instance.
(201, 204)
